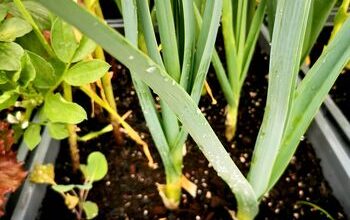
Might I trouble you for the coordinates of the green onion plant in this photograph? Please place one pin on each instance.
(241, 22)
(290, 106)
(185, 57)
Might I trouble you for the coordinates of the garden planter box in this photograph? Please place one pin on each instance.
(131, 184)
(25, 203)
(329, 135)
(129, 188)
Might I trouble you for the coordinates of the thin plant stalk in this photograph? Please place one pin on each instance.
(106, 79)
(72, 137)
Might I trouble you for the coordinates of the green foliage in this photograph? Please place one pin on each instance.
(96, 167)
(241, 22)
(86, 47)
(40, 14)
(3, 11)
(12, 28)
(10, 56)
(63, 40)
(7, 99)
(86, 72)
(32, 136)
(57, 109)
(28, 72)
(45, 73)
(58, 130)
(296, 101)
(75, 195)
(90, 209)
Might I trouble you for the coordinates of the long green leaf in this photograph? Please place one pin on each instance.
(252, 39)
(179, 101)
(168, 38)
(310, 94)
(204, 50)
(170, 123)
(189, 38)
(318, 16)
(143, 92)
(230, 46)
(288, 33)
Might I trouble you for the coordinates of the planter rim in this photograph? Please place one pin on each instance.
(28, 199)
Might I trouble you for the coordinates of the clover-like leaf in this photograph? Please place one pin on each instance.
(45, 73)
(12, 28)
(86, 72)
(63, 40)
(59, 110)
(10, 56)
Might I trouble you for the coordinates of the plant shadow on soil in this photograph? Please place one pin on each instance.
(129, 192)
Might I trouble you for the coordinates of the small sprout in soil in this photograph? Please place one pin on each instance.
(75, 195)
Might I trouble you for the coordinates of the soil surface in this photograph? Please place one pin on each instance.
(129, 192)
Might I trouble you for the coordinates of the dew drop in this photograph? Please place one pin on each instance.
(151, 69)
(131, 57)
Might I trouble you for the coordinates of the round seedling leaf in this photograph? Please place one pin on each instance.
(90, 209)
(97, 166)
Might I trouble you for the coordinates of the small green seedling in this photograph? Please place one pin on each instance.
(75, 195)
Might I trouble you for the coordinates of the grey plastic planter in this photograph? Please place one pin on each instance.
(25, 203)
(329, 135)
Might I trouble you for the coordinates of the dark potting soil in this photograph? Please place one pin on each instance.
(129, 191)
